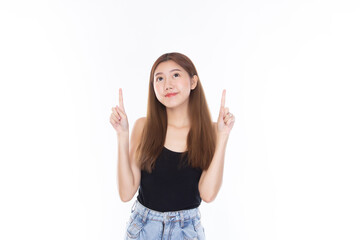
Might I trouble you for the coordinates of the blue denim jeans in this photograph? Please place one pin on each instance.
(147, 224)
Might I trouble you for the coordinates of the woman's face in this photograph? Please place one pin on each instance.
(172, 84)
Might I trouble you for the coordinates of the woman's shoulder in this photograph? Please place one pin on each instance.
(137, 130)
(141, 120)
(140, 123)
(214, 124)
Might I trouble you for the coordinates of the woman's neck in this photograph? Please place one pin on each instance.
(178, 117)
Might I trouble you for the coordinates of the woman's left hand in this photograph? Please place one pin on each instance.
(226, 119)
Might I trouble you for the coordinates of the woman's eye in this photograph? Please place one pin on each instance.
(160, 78)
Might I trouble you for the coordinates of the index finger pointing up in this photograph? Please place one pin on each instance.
(121, 102)
(223, 98)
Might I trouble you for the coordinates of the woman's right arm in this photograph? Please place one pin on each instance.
(128, 168)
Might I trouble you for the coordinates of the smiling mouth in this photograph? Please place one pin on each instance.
(170, 95)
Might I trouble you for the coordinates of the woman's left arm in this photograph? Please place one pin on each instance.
(211, 179)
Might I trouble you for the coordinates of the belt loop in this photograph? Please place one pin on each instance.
(182, 219)
(133, 207)
(145, 215)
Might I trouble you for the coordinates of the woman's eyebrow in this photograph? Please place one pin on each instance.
(170, 71)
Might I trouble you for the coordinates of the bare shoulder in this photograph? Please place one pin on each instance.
(141, 121)
(136, 136)
(215, 127)
(138, 127)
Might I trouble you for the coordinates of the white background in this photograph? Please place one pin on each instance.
(291, 71)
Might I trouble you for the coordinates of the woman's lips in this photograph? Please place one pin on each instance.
(170, 94)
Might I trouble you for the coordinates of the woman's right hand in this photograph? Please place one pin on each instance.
(118, 118)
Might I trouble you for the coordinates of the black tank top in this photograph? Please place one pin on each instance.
(169, 188)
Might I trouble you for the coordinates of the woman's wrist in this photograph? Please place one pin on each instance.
(122, 135)
(222, 138)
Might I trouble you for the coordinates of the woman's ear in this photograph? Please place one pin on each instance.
(194, 81)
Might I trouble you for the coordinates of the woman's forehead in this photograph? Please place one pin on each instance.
(167, 66)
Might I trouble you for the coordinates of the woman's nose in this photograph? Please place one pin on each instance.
(168, 84)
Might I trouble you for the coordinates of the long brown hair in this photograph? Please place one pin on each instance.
(201, 137)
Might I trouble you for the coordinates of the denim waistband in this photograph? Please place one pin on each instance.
(172, 216)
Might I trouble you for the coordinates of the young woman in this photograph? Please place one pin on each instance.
(175, 157)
